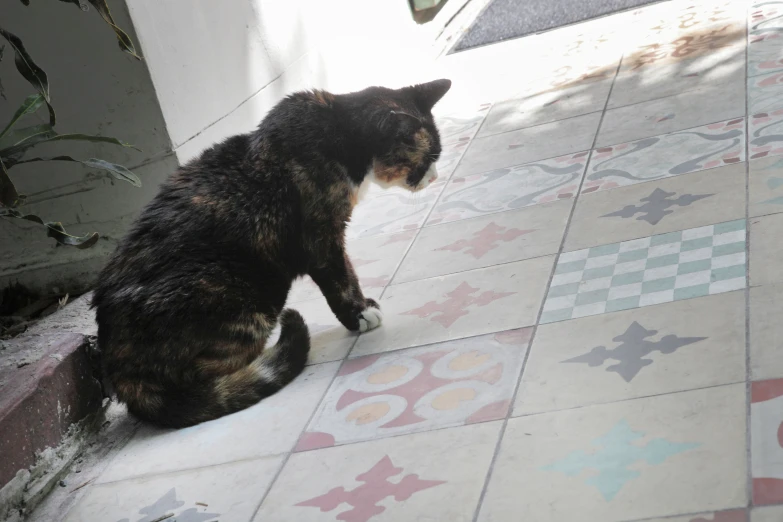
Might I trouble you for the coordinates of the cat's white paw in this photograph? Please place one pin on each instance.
(370, 318)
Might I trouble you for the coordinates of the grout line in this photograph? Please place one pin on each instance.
(502, 433)
(688, 515)
(748, 376)
(435, 203)
(290, 452)
(352, 346)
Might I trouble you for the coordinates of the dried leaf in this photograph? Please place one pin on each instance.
(55, 230)
(118, 171)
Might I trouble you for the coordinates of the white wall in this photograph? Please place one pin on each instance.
(95, 88)
(212, 69)
(218, 70)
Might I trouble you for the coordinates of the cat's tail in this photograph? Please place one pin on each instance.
(277, 366)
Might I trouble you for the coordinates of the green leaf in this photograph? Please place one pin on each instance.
(30, 70)
(126, 44)
(118, 171)
(9, 197)
(55, 230)
(14, 145)
(46, 134)
(31, 104)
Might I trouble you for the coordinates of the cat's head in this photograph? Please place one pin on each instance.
(408, 141)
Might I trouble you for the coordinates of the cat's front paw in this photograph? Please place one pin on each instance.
(371, 317)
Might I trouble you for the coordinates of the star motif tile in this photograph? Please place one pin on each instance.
(606, 460)
(665, 205)
(485, 241)
(224, 492)
(436, 475)
(460, 305)
(635, 353)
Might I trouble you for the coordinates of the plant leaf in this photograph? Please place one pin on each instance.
(126, 44)
(30, 70)
(9, 197)
(14, 145)
(48, 134)
(55, 230)
(118, 171)
(31, 104)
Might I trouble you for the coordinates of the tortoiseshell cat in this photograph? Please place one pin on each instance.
(188, 300)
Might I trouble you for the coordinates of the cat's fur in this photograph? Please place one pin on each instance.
(188, 300)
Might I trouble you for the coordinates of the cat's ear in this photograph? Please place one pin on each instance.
(426, 95)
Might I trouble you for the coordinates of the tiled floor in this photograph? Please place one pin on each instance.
(582, 317)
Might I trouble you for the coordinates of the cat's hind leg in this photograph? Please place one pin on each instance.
(224, 386)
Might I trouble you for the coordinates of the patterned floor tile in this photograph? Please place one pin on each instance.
(765, 92)
(652, 457)
(420, 389)
(685, 43)
(656, 207)
(672, 113)
(388, 211)
(268, 428)
(765, 15)
(486, 241)
(766, 451)
(731, 515)
(635, 353)
(546, 107)
(766, 134)
(651, 270)
(374, 258)
(765, 52)
(225, 492)
(436, 475)
(766, 330)
(531, 144)
(765, 186)
(461, 126)
(767, 514)
(724, 67)
(700, 148)
(510, 188)
(471, 303)
(766, 249)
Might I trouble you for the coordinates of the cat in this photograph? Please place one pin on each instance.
(187, 301)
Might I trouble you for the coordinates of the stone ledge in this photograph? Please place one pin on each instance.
(46, 385)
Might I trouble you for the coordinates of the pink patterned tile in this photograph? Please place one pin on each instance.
(435, 475)
(766, 134)
(448, 384)
(766, 417)
(510, 188)
(485, 241)
(657, 157)
(460, 305)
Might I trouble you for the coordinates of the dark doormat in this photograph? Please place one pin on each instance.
(506, 19)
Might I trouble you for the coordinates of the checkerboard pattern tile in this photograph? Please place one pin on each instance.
(651, 270)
